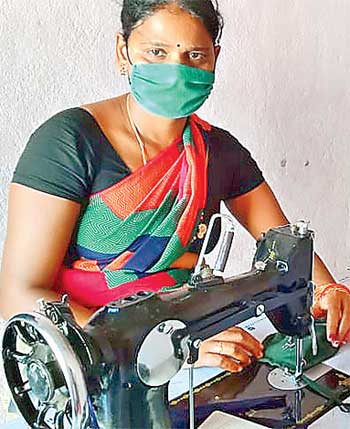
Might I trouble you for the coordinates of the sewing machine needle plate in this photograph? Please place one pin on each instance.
(282, 380)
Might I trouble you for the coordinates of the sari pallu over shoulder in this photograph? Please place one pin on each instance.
(132, 232)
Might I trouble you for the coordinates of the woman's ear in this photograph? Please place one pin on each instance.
(217, 50)
(122, 54)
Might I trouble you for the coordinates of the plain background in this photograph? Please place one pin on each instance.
(282, 89)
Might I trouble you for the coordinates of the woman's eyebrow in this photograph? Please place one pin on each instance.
(156, 42)
(199, 48)
(167, 45)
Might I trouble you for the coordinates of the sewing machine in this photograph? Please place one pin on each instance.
(115, 373)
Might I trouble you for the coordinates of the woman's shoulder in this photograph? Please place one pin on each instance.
(69, 123)
(223, 145)
(79, 120)
(61, 155)
(76, 130)
(67, 155)
(232, 168)
(223, 138)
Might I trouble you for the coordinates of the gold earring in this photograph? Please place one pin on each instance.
(123, 70)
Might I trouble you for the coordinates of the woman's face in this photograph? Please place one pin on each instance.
(170, 35)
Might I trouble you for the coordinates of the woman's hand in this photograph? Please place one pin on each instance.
(231, 350)
(334, 302)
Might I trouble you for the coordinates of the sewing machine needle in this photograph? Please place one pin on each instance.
(299, 356)
(191, 396)
(314, 338)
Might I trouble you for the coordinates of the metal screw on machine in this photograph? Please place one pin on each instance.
(197, 343)
(301, 228)
(260, 265)
(206, 272)
(282, 267)
(161, 327)
(260, 309)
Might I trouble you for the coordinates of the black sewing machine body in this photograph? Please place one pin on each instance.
(131, 348)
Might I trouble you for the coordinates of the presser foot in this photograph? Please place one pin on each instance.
(281, 379)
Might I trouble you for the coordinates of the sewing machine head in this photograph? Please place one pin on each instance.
(115, 372)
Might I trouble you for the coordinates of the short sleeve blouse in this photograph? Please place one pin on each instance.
(70, 157)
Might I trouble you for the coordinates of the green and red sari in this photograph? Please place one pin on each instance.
(132, 233)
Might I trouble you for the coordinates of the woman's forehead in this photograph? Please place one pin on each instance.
(172, 26)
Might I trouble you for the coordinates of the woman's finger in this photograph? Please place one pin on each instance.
(229, 349)
(243, 339)
(334, 314)
(344, 326)
(224, 362)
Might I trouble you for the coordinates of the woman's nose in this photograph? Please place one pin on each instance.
(179, 58)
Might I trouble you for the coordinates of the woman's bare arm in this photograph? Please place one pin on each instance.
(39, 230)
(258, 211)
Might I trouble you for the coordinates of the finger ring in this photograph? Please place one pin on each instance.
(221, 348)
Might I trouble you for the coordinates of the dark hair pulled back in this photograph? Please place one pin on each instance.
(135, 11)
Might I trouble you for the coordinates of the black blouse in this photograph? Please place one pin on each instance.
(70, 157)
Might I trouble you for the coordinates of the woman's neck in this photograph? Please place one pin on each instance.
(154, 130)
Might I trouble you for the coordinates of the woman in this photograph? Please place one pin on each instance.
(113, 197)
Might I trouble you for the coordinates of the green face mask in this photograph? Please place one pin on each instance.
(170, 90)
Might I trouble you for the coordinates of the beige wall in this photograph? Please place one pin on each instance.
(282, 89)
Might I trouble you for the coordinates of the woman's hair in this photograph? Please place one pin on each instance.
(135, 11)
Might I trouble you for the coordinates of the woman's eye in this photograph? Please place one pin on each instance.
(197, 56)
(157, 52)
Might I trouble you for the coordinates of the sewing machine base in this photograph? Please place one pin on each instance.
(280, 410)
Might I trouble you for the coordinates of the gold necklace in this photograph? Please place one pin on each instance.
(136, 133)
